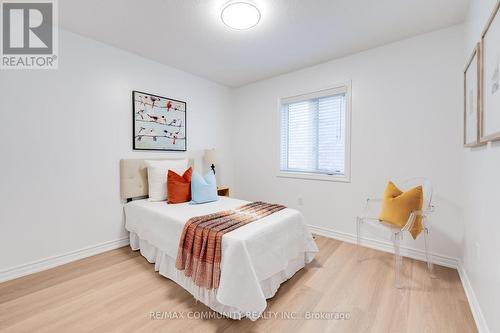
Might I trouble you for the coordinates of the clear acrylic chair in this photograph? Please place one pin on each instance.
(370, 214)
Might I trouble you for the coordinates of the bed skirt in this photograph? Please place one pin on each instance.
(165, 266)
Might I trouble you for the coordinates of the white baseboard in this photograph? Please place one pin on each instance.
(385, 246)
(482, 327)
(43, 264)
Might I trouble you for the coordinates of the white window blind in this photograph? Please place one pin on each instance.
(313, 134)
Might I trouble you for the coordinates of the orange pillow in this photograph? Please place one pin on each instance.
(179, 188)
(398, 205)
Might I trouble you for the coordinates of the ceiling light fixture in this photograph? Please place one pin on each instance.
(240, 15)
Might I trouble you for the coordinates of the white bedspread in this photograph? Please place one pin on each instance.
(250, 254)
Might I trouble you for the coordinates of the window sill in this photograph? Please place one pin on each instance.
(314, 176)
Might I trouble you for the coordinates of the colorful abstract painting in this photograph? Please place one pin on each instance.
(159, 123)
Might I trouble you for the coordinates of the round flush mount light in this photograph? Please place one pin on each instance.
(240, 15)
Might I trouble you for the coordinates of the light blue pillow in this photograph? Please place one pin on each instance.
(203, 189)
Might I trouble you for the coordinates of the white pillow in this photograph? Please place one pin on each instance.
(157, 176)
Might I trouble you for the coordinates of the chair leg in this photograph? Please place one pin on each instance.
(398, 260)
(428, 257)
(358, 237)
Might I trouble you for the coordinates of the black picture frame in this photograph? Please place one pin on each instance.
(135, 136)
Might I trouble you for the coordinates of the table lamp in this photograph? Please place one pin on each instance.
(210, 158)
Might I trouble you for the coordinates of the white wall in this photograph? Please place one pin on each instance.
(63, 133)
(406, 111)
(481, 198)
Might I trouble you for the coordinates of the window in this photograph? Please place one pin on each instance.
(315, 135)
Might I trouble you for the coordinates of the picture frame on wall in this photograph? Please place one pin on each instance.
(159, 123)
(490, 78)
(472, 97)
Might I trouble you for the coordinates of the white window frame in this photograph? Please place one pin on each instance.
(335, 89)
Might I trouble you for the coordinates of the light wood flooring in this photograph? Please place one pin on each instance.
(116, 291)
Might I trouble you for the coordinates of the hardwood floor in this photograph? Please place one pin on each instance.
(118, 290)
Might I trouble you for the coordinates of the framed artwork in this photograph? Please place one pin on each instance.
(472, 100)
(490, 78)
(159, 123)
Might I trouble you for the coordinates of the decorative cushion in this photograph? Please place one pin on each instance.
(203, 189)
(179, 187)
(397, 207)
(157, 176)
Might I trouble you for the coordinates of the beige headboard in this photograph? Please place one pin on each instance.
(134, 177)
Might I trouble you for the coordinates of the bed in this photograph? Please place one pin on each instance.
(256, 258)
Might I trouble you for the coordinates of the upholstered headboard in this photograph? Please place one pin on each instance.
(134, 177)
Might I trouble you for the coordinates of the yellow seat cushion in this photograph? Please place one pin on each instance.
(397, 207)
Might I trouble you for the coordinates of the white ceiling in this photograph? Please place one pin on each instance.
(292, 34)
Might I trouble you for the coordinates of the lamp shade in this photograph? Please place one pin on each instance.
(210, 156)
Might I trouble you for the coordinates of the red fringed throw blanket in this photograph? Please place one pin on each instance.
(199, 254)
